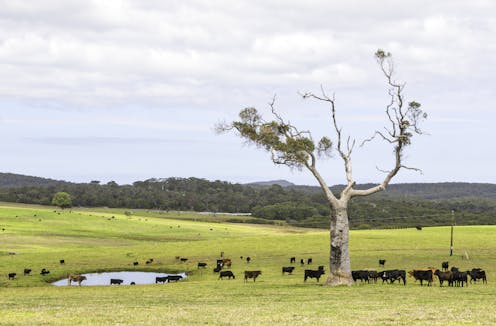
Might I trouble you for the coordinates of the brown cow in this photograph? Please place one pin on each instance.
(76, 278)
(252, 274)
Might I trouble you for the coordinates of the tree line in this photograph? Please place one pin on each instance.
(299, 205)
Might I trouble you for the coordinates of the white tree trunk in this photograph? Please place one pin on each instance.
(339, 262)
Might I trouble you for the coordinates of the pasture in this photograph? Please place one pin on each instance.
(108, 240)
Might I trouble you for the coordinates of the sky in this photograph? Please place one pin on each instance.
(127, 90)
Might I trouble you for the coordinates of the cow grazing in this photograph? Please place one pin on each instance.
(476, 274)
(202, 265)
(292, 260)
(75, 278)
(313, 274)
(422, 275)
(62, 262)
(373, 275)
(460, 277)
(217, 269)
(309, 261)
(445, 266)
(44, 271)
(227, 274)
(12, 276)
(418, 227)
(288, 270)
(174, 278)
(27, 271)
(116, 281)
(132, 283)
(148, 262)
(252, 274)
(390, 276)
(160, 279)
(183, 260)
(135, 263)
(382, 262)
(444, 276)
(361, 275)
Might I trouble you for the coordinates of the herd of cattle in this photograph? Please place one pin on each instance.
(453, 276)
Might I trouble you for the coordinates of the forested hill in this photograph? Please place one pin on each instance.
(400, 205)
(11, 180)
(431, 191)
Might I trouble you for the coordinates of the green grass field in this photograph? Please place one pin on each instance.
(108, 240)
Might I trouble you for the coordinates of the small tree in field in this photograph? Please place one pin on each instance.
(62, 200)
(297, 149)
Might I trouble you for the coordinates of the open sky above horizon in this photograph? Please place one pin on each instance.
(129, 90)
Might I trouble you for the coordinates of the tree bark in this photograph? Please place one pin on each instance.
(339, 262)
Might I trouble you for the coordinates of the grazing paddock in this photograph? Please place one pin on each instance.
(89, 242)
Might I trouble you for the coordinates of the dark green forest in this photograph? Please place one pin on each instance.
(401, 205)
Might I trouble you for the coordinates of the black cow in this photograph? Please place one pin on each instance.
(220, 263)
(12, 276)
(135, 263)
(313, 274)
(288, 269)
(444, 276)
(27, 271)
(252, 274)
(373, 275)
(460, 277)
(174, 278)
(454, 269)
(116, 281)
(422, 275)
(309, 261)
(248, 259)
(382, 262)
(292, 260)
(445, 266)
(160, 279)
(183, 259)
(418, 227)
(302, 261)
(393, 275)
(227, 274)
(62, 261)
(202, 265)
(361, 275)
(477, 273)
(44, 271)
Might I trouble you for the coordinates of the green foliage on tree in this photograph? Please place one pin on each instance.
(62, 199)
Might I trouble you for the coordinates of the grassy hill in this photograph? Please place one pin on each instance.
(107, 239)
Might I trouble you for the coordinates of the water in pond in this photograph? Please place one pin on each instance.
(126, 277)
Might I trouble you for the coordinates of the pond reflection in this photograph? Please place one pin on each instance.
(126, 277)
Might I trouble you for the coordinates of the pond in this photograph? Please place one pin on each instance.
(126, 277)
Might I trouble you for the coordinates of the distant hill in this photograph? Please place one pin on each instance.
(400, 205)
(430, 191)
(282, 183)
(11, 180)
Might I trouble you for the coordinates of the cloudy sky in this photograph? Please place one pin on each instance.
(128, 90)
